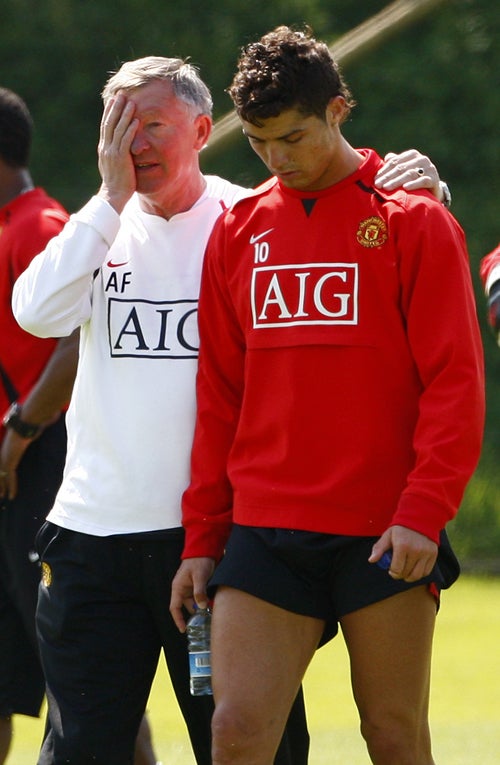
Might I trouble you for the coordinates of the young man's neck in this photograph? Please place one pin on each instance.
(346, 163)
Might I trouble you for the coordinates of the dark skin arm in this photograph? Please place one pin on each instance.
(42, 407)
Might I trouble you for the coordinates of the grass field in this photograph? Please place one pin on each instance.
(465, 710)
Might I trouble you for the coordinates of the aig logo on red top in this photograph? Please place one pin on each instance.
(310, 293)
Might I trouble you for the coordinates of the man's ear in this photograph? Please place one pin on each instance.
(203, 124)
(335, 110)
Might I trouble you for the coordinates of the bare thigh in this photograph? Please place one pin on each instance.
(259, 656)
(390, 647)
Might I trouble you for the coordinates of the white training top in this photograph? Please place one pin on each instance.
(132, 283)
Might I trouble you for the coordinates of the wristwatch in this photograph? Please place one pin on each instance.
(24, 429)
(446, 194)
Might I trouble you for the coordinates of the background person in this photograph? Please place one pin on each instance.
(340, 413)
(490, 277)
(35, 386)
(36, 381)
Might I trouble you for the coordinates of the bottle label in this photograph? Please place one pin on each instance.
(199, 664)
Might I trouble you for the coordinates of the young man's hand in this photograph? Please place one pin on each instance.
(189, 588)
(413, 554)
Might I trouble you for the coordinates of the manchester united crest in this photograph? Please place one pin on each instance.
(372, 232)
(46, 574)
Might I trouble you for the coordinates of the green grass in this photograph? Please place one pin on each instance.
(465, 706)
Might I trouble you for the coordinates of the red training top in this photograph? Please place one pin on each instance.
(488, 263)
(340, 383)
(27, 223)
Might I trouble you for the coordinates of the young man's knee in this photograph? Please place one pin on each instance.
(397, 743)
(236, 736)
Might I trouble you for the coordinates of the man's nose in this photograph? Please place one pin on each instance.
(140, 143)
(276, 156)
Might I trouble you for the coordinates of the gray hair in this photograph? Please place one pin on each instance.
(186, 81)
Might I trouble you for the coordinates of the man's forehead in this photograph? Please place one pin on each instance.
(156, 96)
(288, 122)
(155, 90)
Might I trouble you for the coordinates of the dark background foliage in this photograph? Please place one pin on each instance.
(433, 85)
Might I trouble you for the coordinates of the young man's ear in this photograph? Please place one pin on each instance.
(336, 110)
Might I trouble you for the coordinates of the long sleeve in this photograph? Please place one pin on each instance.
(341, 382)
(53, 296)
(207, 504)
(439, 307)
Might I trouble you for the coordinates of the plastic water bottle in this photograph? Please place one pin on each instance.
(198, 634)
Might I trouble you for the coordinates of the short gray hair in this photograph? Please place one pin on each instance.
(186, 81)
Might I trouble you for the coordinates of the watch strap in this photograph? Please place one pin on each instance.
(14, 421)
(446, 194)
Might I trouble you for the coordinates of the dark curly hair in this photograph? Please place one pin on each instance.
(16, 128)
(286, 69)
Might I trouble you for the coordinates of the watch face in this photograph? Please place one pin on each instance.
(13, 421)
(12, 413)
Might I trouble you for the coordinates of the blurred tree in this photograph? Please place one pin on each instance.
(57, 55)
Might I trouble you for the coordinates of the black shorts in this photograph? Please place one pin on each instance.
(320, 575)
(22, 685)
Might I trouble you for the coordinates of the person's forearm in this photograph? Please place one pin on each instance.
(53, 388)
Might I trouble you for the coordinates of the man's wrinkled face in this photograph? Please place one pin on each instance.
(166, 141)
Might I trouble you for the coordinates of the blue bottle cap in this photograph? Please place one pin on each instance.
(385, 561)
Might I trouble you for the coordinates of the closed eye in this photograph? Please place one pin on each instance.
(286, 139)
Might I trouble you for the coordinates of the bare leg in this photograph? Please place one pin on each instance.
(144, 753)
(390, 645)
(259, 655)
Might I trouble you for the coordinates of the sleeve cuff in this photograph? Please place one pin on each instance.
(101, 216)
(205, 541)
(422, 514)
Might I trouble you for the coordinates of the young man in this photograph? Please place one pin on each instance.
(340, 414)
(490, 277)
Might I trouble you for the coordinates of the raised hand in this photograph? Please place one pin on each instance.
(116, 166)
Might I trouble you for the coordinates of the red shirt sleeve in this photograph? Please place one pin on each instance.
(488, 263)
(207, 504)
(439, 306)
